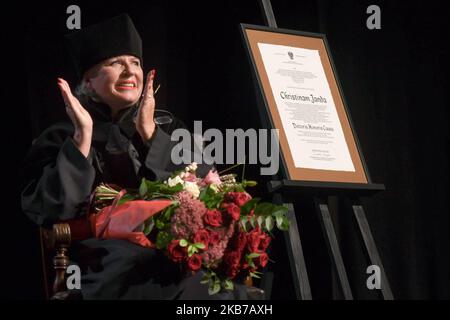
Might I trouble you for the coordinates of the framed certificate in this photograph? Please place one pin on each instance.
(303, 99)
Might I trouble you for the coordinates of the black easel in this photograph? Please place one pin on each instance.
(285, 191)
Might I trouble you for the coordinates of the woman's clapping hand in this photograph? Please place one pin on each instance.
(80, 117)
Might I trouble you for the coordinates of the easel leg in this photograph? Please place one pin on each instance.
(333, 246)
(295, 253)
(372, 249)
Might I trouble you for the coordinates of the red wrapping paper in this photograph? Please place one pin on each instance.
(118, 222)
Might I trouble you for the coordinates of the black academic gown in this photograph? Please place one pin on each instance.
(58, 181)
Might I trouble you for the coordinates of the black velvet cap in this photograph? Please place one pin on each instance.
(93, 44)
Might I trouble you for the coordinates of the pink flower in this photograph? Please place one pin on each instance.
(188, 217)
(212, 178)
(189, 177)
(218, 242)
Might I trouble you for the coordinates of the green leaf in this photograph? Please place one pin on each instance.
(254, 275)
(162, 239)
(252, 221)
(160, 224)
(153, 186)
(253, 255)
(191, 250)
(264, 209)
(228, 284)
(165, 188)
(214, 288)
(206, 278)
(168, 212)
(210, 198)
(199, 245)
(143, 189)
(249, 183)
(249, 206)
(279, 220)
(269, 223)
(202, 193)
(126, 197)
(279, 210)
(259, 220)
(183, 243)
(285, 224)
(244, 223)
(148, 226)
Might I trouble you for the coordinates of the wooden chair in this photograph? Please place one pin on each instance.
(56, 242)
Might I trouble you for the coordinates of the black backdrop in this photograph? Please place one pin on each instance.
(394, 80)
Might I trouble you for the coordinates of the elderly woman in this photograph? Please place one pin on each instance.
(112, 138)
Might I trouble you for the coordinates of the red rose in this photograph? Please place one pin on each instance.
(176, 252)
(262, 260)
(202, 236)
(229, 196)
(245, 265)
(253, 240)
(233, 210)
(214, 237)
(232, 272)
(194, 262)
(213, 218)
(241, 198)
(240, 241)
(232, 259)
(264, 242)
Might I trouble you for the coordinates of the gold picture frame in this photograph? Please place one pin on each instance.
(254, 35)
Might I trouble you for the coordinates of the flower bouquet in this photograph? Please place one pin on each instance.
(208, 223)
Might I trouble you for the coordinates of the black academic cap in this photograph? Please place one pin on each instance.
(93, 44)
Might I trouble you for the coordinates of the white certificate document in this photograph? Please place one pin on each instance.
(306, 107)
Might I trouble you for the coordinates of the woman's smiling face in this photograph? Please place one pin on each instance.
(117, 81)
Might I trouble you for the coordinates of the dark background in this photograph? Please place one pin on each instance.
(395, 81)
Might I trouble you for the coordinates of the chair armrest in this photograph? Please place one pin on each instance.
(59, 239)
